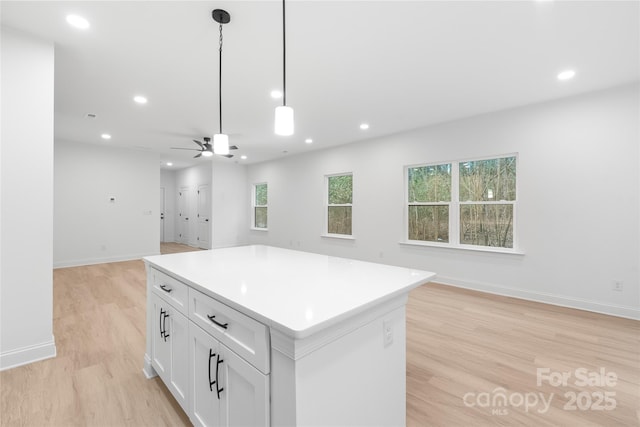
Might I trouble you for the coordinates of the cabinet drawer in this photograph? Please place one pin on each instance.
(171, 290)
(242, 334)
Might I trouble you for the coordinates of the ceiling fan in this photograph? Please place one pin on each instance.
(206, 149)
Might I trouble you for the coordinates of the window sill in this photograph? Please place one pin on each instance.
(338, 236)
(508, 251)
(258, 229)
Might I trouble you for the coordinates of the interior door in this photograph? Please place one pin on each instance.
(183, 215)
(204, 214)
(162, 205)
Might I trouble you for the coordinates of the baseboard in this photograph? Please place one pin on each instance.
(147, 368)
(26, 355)
(628, 312)
(92, 261)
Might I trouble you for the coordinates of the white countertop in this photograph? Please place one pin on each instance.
(298, 293)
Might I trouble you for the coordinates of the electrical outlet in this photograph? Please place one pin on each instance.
(387, 333)
(617, 285)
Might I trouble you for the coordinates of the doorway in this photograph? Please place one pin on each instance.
(183, 215)
(162, 208)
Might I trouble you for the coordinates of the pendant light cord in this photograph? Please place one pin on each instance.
(284, 57)
(220, 78)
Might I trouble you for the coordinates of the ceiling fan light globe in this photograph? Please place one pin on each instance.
(221, 144)
(284, 120)
(207, 153)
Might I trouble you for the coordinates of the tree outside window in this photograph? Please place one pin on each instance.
(339, 204)
(260, 205)
(463, 203)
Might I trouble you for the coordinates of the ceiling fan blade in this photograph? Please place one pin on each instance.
(228, 156)
(199, 143)
(191, 149)
(197, 155)
(233, 147)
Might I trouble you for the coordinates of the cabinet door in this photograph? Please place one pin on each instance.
(160, 345)
(203, 354)
(244, 399)
(177, 331)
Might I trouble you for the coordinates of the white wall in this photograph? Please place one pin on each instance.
(168, 182)
(26, 200)
(578, 209)
(88, 227)
(230, 203)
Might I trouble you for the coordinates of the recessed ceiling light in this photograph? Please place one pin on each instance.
(105, 136)
(243, 157)
(276, 94)
(169, 164)
(308, 140)
(364, 126)
(566, 75)
(140, 99)
(77, 22)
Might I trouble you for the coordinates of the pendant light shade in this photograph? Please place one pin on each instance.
(220, 140)
(221, 144)
(284, 114)
(284, 120)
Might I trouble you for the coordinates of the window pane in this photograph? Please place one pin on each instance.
(340, 189)
(261, 195)
(261, 217)
(339, 220)
(487, 225)
(430, 183)
(488, 180)
(429, 223)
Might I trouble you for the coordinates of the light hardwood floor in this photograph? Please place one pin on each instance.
(459, 343)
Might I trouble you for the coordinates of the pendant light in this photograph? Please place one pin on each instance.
(220, 140)
(284, 113)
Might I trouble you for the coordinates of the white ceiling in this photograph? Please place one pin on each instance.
(396, 65)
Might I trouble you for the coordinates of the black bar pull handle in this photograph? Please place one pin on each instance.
(164, 326)
(211, 383)
(161, 331)
(166, 289)
(222, 325)
(218, 362)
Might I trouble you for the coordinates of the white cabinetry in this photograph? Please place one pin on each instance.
(169, 339)
(213, 359)
(280, 337)
(226, 390)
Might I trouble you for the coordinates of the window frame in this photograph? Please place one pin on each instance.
(456, 204)
(408, 204)
(327, 205)
(254, 205)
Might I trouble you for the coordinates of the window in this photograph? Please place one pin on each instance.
(487, 202)
(260, 205)
(429, 202)
(464, 203)
(339, 204)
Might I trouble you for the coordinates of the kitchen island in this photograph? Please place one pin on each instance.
(259, 335)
